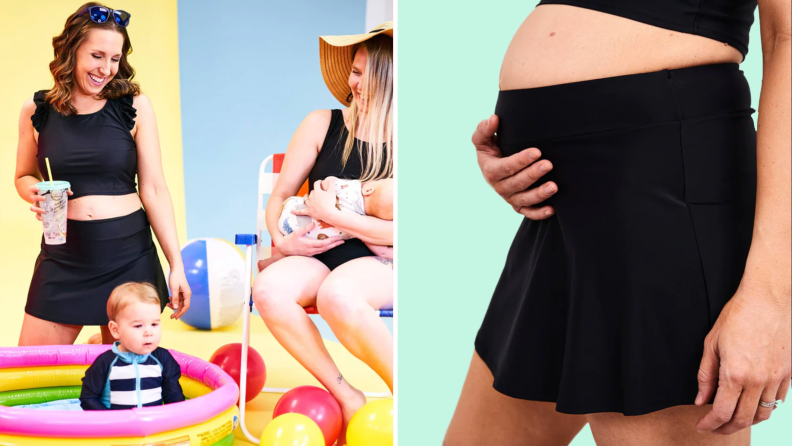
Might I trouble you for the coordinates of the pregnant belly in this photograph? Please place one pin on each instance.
(558, 44)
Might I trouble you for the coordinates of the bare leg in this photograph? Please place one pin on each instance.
(37, 331)
(672, 426)
(280, 292)
(485, 416)
(347, 300)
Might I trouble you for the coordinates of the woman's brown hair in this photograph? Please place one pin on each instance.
(62, 67)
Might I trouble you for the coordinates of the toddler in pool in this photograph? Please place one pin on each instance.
(135, 372)
(374, 198)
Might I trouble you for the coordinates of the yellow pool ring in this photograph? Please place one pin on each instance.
(71, 375)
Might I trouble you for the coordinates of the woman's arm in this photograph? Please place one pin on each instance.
(768, 267)
(299, 160)
(746, 354)
(321, 206)
(27, 173)
(157, 201)
(297, 164)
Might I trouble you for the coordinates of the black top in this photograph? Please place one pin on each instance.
(94, 152)
(726, 21)
(328, 163)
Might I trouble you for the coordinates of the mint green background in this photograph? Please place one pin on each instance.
(454, 231)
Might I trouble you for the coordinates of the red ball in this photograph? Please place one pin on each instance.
(315, 403)
(228, 358)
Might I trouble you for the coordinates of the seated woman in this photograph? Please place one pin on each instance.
(343, 278)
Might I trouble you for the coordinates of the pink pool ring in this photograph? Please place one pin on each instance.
(208, 417)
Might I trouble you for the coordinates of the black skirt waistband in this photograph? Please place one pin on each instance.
(109, 228)
(596, 105)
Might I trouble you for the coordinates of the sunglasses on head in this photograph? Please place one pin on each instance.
(100, 14)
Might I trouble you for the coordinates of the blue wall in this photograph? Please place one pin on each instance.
(249, 75)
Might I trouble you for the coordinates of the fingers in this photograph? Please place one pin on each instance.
(320, 244)
(527, 171)
(708, 372)
(533, 196)
(37, 210)
(723, 408)
(183, 306)
(328, 247)
(535, 213)
(783, 389)
(35, 198)
(305, 229)
(770, 395)
(483, 137)
(300, 211)
(744, 414)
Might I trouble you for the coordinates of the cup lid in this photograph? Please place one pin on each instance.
(45, 185)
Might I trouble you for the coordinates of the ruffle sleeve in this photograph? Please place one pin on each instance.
(128, 112)
(42, 110)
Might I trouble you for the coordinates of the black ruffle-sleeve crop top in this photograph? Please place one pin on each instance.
(727, 21)
(94, 152)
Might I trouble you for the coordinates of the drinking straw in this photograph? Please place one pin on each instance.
(49, 171)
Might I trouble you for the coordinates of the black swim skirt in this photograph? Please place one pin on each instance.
(72, 282)
(604, 306)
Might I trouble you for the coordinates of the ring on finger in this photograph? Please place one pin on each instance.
(770, 405)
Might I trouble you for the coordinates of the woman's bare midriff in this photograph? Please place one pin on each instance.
(559, 44)
(100, 207)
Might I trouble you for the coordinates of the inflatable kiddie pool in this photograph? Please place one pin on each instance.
(31, 375)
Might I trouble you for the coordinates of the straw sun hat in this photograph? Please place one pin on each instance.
(335, 57)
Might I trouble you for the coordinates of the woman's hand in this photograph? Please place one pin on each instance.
(320, 204)
(180, 293)
(383, 251)
(747, 356)
(512, 176)
(295, 244)
(35, 198)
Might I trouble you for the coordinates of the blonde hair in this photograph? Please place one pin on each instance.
(130, 292)
(377, 127)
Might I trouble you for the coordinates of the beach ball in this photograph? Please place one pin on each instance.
(315, 403)
(292, 429)
(229, 358)
(372, 425)
(214, 269)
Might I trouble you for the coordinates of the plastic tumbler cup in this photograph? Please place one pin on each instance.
(55, 207)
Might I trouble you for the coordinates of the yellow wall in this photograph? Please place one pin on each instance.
(26, 31)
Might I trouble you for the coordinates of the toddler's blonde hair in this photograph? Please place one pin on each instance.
(130, 292)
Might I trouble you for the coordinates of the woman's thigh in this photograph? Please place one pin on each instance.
(295, 279)
(672, 426)
(485, 416)
(37, 331)
(367, 278)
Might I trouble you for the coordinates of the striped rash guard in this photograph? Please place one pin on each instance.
(125, 380)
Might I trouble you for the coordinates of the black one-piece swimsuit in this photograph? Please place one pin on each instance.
(328, 163)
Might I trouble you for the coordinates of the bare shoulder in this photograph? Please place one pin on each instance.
(28, 107)
(142, 102)
(317, 121)
(313, 128)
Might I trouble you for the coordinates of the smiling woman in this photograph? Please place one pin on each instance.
(99, 133)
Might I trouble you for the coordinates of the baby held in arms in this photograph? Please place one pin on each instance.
(373, 198)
